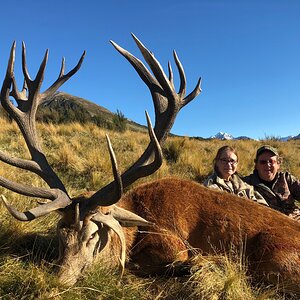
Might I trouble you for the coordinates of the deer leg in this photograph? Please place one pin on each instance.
(163, 254)
(273, 258)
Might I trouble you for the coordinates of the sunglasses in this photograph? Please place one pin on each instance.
(269, 161)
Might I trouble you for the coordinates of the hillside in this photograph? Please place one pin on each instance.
(65, 108)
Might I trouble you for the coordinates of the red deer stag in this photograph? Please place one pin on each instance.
(91, 226)
(190, 218)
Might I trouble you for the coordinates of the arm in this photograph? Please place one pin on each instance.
(294, 185)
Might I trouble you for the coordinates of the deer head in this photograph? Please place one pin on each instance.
(89, 223)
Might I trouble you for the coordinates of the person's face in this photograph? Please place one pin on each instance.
(226, 164)
(267, 166)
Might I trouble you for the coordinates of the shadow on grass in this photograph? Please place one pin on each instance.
(34, 247)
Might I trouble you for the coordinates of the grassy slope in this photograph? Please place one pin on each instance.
(64, 105)
(78, 154)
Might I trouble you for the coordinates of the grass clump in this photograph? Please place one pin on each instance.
(225, 276)
(22, 280)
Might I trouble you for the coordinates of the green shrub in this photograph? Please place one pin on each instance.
(119, 121)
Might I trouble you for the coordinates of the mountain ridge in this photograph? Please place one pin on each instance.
(63, 107)
(227, 136)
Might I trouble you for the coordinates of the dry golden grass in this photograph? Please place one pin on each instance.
(78, 153)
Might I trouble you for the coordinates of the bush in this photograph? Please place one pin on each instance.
(172, 150)
(119, 121)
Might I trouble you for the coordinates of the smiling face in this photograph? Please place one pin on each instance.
(267, 165)
(226, 164)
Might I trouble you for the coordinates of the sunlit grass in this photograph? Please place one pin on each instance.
(78, 153)
(225, 277)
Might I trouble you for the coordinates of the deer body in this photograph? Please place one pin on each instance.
(189, 217)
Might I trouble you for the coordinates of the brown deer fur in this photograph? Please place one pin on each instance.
(188, 215)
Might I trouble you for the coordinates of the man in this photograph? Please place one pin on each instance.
(280, 189)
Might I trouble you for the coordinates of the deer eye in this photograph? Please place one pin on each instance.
(92, 236)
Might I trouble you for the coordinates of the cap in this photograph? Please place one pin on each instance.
(266, 148)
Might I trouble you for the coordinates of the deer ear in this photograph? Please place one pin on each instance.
(127, 218)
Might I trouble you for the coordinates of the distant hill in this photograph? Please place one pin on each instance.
(64, 108)
(227, 136)
(290, 137)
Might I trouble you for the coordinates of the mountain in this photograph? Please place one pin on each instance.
(290, 137)
(286, 138)
(64, 108)
(222, 136)
(243, 137)
(226, 136)
(297, 137)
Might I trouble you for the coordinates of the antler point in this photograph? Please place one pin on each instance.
(4, 199)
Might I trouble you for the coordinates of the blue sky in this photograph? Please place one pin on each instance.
(247, 53)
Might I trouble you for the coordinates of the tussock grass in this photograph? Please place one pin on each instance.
(225, 277)
(22, 280)
(78, 153)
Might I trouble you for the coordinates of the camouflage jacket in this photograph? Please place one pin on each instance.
(285, 190)
(234, 186)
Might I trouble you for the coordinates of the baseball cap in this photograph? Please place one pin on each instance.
(266, 148)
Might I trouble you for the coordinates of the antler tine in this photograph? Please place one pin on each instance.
(197, 90)
(20, 163)
(138, 65)
(155, 68)
(62, 68)
(8, 81)
(26, 190)
(171, 78)
(24, 63)
(116, 173)
(59, 203)
(182, 88)
(157, 148)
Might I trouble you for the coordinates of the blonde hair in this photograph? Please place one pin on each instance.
(219, 153)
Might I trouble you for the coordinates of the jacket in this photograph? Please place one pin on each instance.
(235, 186)
(283, 193)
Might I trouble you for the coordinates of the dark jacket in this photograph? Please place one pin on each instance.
(283, 193)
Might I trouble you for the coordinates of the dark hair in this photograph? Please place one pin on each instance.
(220, 152)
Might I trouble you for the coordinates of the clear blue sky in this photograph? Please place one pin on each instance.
(246, 51)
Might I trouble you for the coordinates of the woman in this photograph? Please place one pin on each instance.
(225, 177)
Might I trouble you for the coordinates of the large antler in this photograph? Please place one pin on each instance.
(167, 103)
(24, 113)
